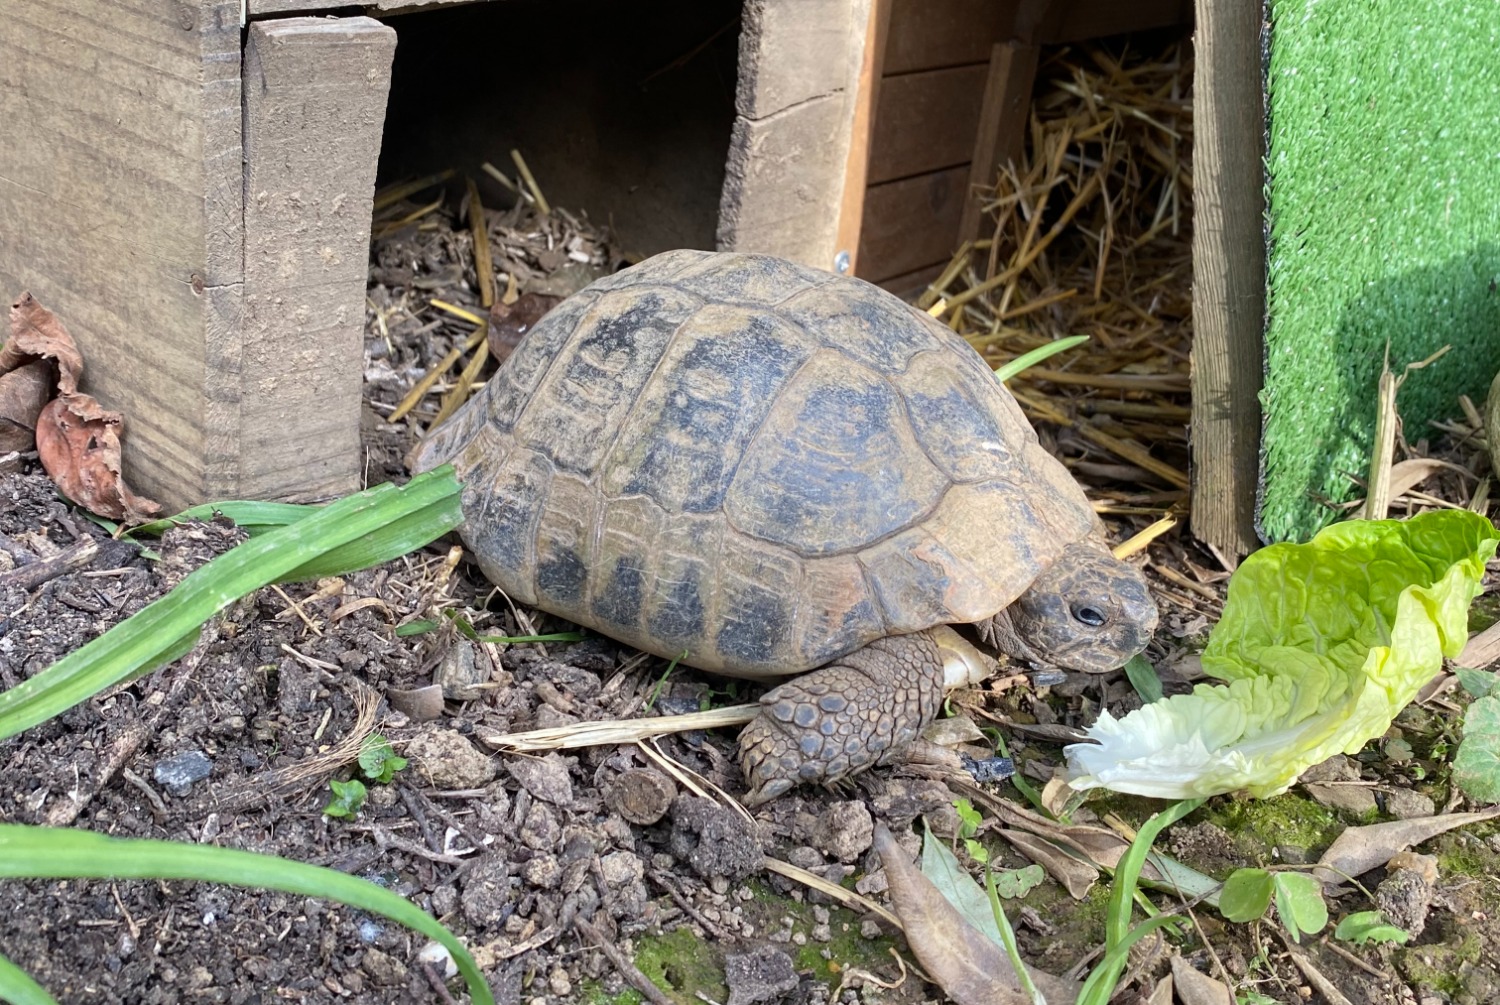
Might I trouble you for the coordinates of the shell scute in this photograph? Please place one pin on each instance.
(711, 391)
(835, 464)
(578, 406)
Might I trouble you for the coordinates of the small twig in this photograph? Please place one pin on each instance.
(158, 808)
(29, 577)
(436, 981)
(627, 969)
(541, 203)
(681, 901)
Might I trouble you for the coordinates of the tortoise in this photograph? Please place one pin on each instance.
(765, 469)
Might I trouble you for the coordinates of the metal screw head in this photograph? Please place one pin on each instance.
(841, 263)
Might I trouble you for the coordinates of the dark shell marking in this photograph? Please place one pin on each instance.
(762, 465)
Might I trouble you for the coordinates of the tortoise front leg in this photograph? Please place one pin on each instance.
(844, 717)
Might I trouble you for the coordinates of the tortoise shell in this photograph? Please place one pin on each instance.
(753, 466)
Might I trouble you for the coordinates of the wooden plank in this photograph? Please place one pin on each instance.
(861, 131)
(928, 34)
(926, 121)
(1081, 19)
(1001, 133)
(792, 51)
(911, 223)
(121, 207)
(784, 177)
(1229, 282)
(315, 93)
(910, 285)
(261, 8)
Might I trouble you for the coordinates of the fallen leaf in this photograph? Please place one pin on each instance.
(1407, 475)
(1360, 849)
(1476, 765)
(1077, 875)
(969, 967)
(79, 444)
(36, 333)
(23, 392)
(1194, 988)
(77, 439)
(509, 323)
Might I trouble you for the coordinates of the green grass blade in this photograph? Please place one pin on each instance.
(1100, 986)
(1027, 359)
(17, 987)
(1128, 871)
(385, 514)
(255, 517)
(61, 853)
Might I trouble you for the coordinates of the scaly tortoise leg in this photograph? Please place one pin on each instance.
(842, 718)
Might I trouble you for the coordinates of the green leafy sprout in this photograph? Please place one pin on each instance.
(377, 760)
(348, 798)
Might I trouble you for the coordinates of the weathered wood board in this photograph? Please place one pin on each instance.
(226, 330)
(1229, 278)
(315, 96)
(800, 63)
(120, 210)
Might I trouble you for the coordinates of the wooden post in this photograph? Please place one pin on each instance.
(857, 165)
(1229, 282)
(789, 148)
(1002, 125)
(315, 93)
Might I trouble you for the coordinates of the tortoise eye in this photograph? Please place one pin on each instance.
(1091, 616)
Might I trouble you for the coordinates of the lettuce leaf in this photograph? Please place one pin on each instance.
(1321, 644)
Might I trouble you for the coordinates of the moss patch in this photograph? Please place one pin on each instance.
(1258, 826)
(681, 962)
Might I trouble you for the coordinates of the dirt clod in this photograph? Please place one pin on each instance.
(845, 830)
(714, 841)
(546, 778)
(448, 759)
(764, 974)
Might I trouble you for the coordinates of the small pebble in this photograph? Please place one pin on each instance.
(179, 772)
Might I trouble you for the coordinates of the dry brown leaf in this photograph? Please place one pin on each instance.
(77, 439)
(23, 392)
(1360, 849)
(36, 333)
(1071, 871)
(1194, 988)
(1407, 475)
(962, 960)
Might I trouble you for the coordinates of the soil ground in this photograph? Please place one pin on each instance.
(513, 852)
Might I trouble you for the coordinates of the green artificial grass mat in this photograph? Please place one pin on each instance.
(1384, 228)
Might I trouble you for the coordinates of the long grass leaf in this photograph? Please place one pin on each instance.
(149, 638)
(256, 517)
(17, 987)
(28, 852)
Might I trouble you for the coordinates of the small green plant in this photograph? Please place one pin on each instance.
(1363, 927)
(1119, 935)
(347, 799)
(1298, 898)
(377, 761)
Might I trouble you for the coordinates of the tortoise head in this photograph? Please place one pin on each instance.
(1088, 611)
